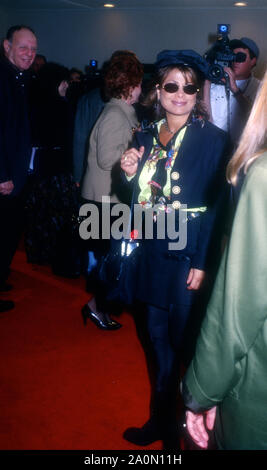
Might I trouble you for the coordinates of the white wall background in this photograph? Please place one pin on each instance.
(74, 37)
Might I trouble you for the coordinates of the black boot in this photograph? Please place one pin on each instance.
(165, 410)
(146, 435)
(172, 438)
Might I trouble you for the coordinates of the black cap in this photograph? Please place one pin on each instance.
(185, 57)
(245, 43)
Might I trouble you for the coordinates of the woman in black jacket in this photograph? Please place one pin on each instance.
(177, 167)
(53, 196)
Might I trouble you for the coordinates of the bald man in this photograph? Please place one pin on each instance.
(20, 48)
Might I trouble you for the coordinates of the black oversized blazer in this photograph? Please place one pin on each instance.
(15, 134)
(200, 165)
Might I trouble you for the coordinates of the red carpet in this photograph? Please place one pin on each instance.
(63, 385)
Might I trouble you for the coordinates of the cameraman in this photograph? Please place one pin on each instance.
(243, 88)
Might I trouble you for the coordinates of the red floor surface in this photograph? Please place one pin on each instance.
(63, 385)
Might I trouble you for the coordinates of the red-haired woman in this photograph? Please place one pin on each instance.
(110, 137)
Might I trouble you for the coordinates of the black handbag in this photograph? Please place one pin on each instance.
(118, 270)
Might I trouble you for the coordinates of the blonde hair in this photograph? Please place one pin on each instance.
(253, 141)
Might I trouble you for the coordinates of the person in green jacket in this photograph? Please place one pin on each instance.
(226, 384)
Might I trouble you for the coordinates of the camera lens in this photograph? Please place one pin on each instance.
(216, 72)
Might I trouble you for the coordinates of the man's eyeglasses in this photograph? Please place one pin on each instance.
(173, 88)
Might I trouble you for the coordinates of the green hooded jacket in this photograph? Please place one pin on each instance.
(229, 369)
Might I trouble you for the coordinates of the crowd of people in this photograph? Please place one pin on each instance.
(62, 146)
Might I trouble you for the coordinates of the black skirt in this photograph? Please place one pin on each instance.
(51, 210)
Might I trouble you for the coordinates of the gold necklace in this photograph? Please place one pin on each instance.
(167, 127)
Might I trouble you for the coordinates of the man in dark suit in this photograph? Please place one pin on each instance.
(19, 49)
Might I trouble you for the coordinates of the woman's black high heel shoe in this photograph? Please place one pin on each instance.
(102, 324)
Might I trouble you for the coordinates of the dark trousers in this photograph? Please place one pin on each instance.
(166, 329)
(11, 215)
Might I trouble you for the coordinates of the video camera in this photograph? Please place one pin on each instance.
(221, 55)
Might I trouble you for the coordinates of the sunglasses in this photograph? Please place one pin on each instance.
(173, 88)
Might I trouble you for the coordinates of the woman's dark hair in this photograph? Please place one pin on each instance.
(123, 73)
(190, 75)
(74, 70)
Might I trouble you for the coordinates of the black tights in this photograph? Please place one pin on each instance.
(166, 330)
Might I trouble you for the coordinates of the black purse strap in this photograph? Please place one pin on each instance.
(133, 201)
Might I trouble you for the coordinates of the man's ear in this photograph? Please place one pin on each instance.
(7, 46)
(158, 91)
(253, 62)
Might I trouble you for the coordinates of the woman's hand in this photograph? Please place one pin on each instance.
(197, 423)
(195, 279)
(129, 160)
